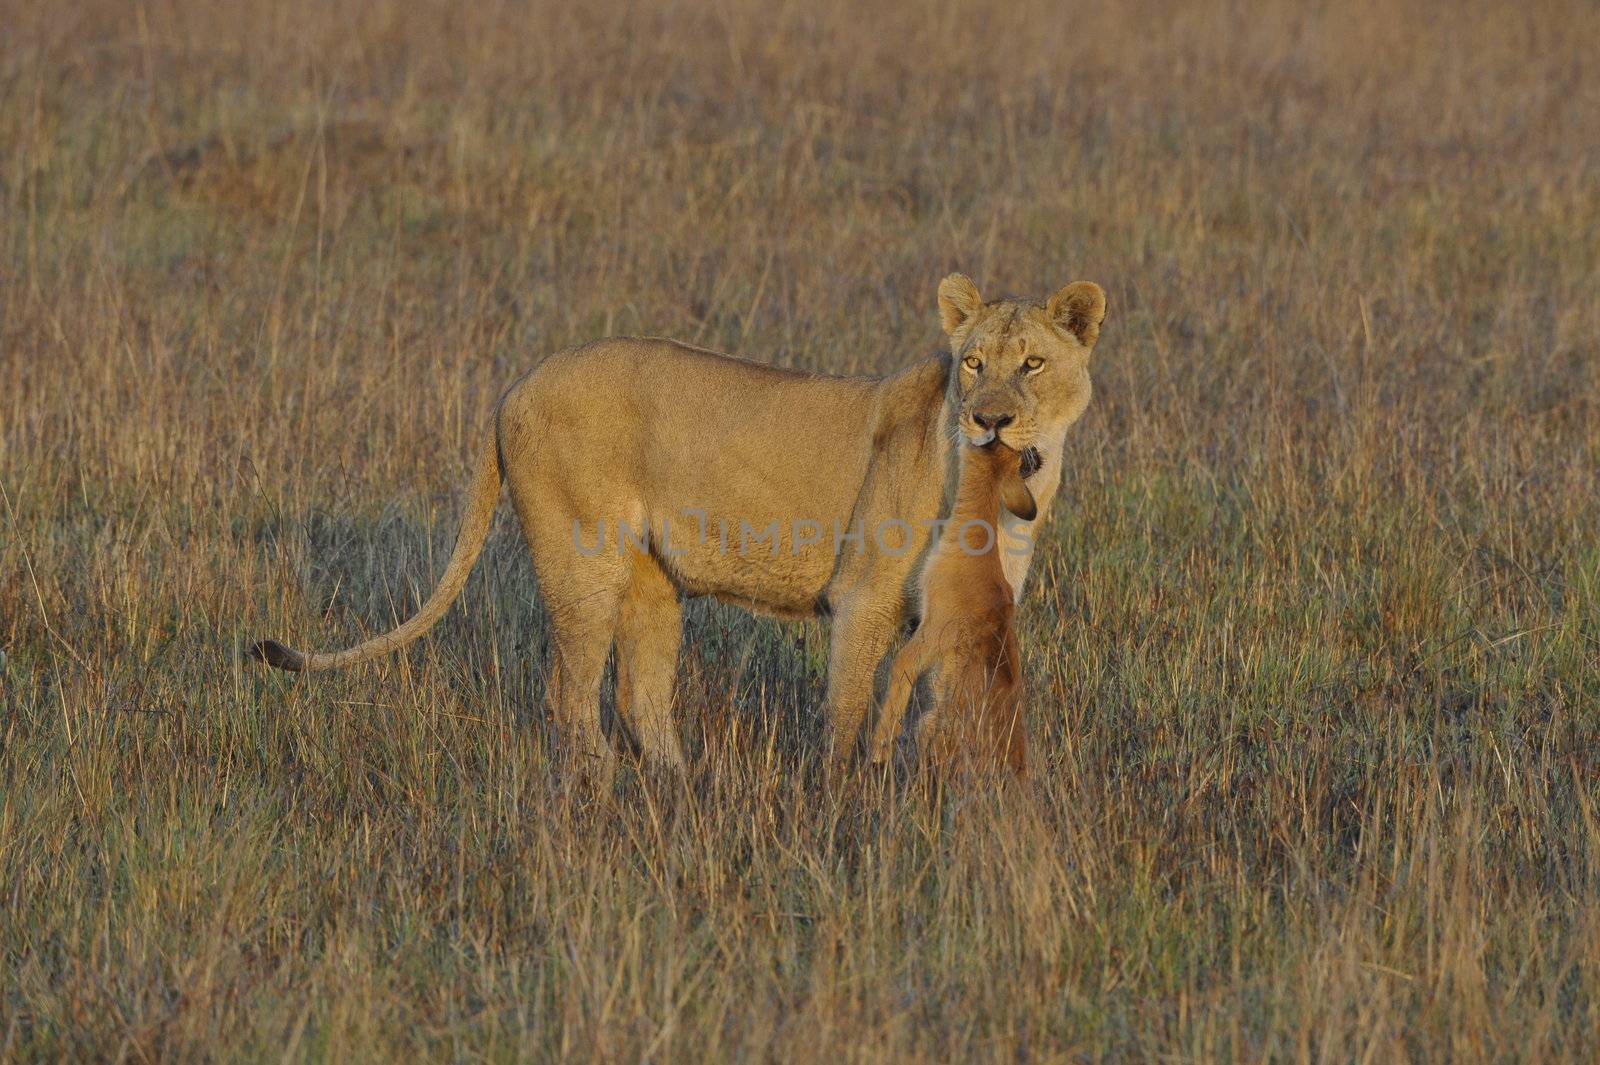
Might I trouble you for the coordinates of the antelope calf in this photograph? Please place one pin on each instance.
(966, 635)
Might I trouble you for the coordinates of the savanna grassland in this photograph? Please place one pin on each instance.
(1313, 641)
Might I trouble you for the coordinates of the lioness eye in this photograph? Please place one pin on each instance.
(972, 362)
(1033, 364)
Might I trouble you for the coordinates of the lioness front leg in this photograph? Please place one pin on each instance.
(861, 637)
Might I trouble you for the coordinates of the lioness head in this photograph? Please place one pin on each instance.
(1021, 369)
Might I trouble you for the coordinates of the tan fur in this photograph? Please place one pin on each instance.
(1003, 336)
(634, 431)
(966, 636)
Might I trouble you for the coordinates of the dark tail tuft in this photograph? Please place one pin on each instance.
(277, 655)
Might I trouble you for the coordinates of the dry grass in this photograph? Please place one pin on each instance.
(1313, 645)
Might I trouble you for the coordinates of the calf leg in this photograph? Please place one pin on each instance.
(909, 664)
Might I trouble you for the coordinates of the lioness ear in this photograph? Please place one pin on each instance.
(958, 302)
(1015, 495)
(1079, 309)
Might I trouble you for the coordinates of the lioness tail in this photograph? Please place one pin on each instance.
(481, 499)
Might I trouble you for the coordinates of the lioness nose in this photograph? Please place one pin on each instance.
(992, 421)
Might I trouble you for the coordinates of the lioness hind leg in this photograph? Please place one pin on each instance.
(649, 631)
(582, 597)
(580, 645)
(582, 589)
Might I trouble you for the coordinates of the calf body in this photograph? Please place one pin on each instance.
(966, 636)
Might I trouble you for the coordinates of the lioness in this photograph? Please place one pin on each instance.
(685, 472)
(966, 636)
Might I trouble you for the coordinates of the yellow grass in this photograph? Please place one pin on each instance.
(1313, 646)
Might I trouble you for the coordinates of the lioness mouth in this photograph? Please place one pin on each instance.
(1031, 461)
